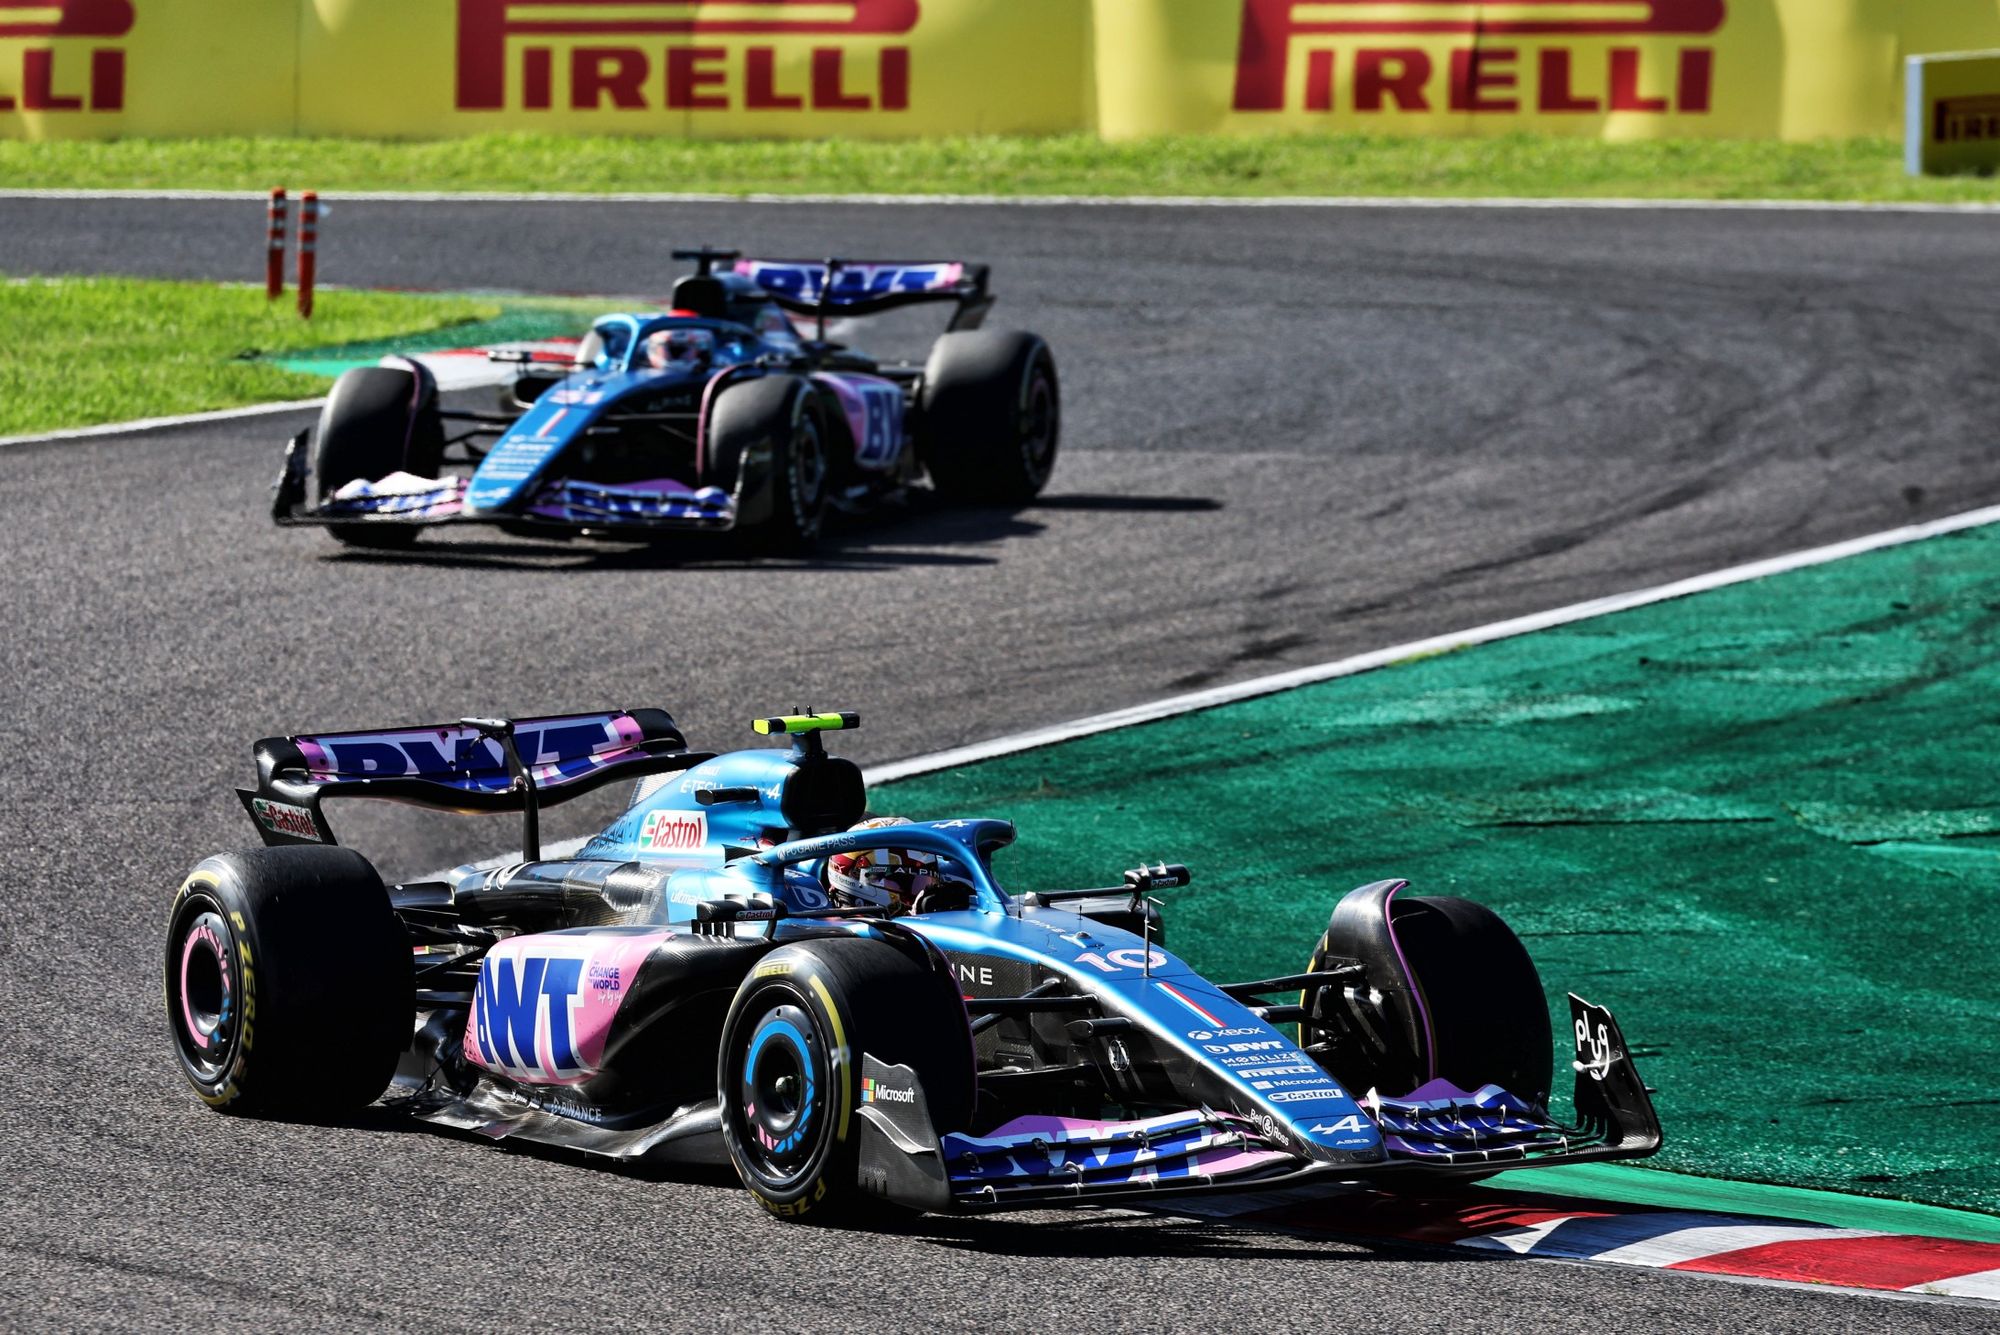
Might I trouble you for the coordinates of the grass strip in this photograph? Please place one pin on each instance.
(1759, 823)
(1279, 165)
(83, 351)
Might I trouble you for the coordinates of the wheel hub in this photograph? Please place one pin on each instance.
(780, 1092)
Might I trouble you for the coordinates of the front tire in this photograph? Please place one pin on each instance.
(789, 1071)
(1450, 992)
(767, 447)
(992, 416)
(378, 420)
(289, 982)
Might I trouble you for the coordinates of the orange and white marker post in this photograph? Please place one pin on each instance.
(274, 248)
(308, 250)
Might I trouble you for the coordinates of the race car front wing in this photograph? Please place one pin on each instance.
(564, 504)
(1435, 1131)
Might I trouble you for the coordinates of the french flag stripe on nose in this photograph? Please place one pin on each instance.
(1188, 1002)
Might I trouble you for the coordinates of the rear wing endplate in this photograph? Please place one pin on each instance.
(456, 767)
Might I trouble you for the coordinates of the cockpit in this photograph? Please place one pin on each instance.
(666, 342)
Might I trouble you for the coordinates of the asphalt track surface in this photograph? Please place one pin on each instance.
(1290, 435)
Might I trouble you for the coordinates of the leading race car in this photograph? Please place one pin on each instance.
(731, 411)
(855, 1017)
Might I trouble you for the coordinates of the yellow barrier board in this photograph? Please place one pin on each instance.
(1614, 69)
(746, 68)
(1953, 114)
(96, 69)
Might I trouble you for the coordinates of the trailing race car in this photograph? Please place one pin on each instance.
(852, 1015)
(716, 415)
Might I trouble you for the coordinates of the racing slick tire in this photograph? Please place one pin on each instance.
(767, 447)
(378, 420)
(1480, 1016)
(789, 1070)
(289, 982)
(991, 416)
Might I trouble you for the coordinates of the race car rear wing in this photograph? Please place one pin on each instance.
(475, 766)
(839, 288)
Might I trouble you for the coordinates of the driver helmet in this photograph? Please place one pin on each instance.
(890, 878)
(678, 347)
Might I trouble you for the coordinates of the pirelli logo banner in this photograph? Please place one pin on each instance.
(1523, 56)
(1616, 69)
(632, 54)
(911, 68)
(93, 77)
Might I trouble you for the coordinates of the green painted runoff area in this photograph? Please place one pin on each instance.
(521, 320)
(1760, 823)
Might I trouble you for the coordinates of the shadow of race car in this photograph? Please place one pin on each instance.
(729, 412)
(690, 985)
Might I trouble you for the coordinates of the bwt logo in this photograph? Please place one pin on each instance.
(1481, 76)
(41, 88)
(688, 74)
(568, 750)
(522, 1018)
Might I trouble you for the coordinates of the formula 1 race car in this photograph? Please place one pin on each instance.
(692, 984)
(715, 415)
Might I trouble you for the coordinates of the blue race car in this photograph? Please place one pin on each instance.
(729, 412)
(853, 1015)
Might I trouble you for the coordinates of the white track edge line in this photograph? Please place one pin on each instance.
(1034, 201)
(1035, 738)
(161, 423)
(1436, 644)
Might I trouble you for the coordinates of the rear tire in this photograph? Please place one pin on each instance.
(289, 982)
(767, 447)
(378, 420)
(1488, 1020)
(789, 1071)
(992, 416)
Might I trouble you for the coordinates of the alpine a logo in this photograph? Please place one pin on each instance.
(57, 73)
(1510, 56)
(677, 55)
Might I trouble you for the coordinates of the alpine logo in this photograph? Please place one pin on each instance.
(673, 832)
(1350, 1123)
